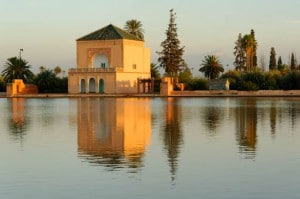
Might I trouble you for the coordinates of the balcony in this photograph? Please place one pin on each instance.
(95, 70)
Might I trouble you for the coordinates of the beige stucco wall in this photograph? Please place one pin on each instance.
(136, 54)
(127, 82)
(86, 50)
(109, 78)
(130, 59)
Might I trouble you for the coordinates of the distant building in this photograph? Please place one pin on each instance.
(219, 84)
(109, 60)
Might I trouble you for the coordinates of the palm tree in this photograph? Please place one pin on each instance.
(57, 70)
(211, 67)
(154, 71)
(134, 27)
(17, 68)
(42, 68)
(45, 81)
(249, 45)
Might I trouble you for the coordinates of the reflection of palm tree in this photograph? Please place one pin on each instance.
(173, 134)
(246, 124)
(212, 118)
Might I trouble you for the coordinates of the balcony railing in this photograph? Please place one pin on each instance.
(86, 70)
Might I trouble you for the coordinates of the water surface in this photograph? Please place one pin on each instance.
(150, 148)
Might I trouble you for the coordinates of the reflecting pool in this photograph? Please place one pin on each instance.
(150, 148)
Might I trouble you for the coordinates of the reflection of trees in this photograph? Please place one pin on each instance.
(292, 111)
(211, 118)
(246, 124)
(18, 122)
(273, 117)
(113, 132)
(172, 134)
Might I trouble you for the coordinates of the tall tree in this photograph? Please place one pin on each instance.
(170, 58)
(272, 63)
(240, 54)
(254, 48)
(17, 68)
(211, 67)
(280, 65)
(249, 44)
(134, 27)
(293, 62)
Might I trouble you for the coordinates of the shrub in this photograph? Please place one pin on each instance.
(234, 77)
(290, 81)
(196, 84)
(249, 86)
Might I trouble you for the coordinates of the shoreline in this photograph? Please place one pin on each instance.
(206, 93)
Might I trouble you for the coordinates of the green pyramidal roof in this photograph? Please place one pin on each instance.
(109, 32)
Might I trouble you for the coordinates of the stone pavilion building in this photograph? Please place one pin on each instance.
(109, 60)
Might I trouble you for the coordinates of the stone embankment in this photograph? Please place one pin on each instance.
(206, 93)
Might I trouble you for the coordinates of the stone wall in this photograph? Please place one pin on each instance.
(18, 87)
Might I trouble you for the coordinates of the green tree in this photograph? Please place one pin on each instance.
(170, 58)
(240, 54)
(254, 58)
(57, 70)
(17, 68)
(154, 71)
(293, 62)
(272, 63)
(211, 67)
(134, 27)
(280, 65)
(46, 81)
(185, 75)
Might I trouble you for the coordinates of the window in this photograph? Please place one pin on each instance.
(134, 66)
(102, 65)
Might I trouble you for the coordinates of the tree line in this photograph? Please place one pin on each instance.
(245, 76)
(47, 80)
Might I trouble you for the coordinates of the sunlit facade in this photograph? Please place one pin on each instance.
(109, 60)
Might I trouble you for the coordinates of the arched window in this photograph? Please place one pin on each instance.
(100, 61)
(82, 86)
(92, 86)
(101, 86)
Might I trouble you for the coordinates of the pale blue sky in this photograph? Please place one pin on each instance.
(47, 30)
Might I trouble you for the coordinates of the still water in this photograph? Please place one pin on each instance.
(150, 148)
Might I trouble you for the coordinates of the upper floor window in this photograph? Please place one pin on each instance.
(133, 66)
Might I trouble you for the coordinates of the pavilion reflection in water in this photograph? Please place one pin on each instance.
(114, 132)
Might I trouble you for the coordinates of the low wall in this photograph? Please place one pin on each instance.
(18, 87)
(232, 93)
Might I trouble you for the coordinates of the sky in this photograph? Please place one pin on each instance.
(47, 30)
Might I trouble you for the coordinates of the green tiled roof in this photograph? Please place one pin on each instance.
(109, 32)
